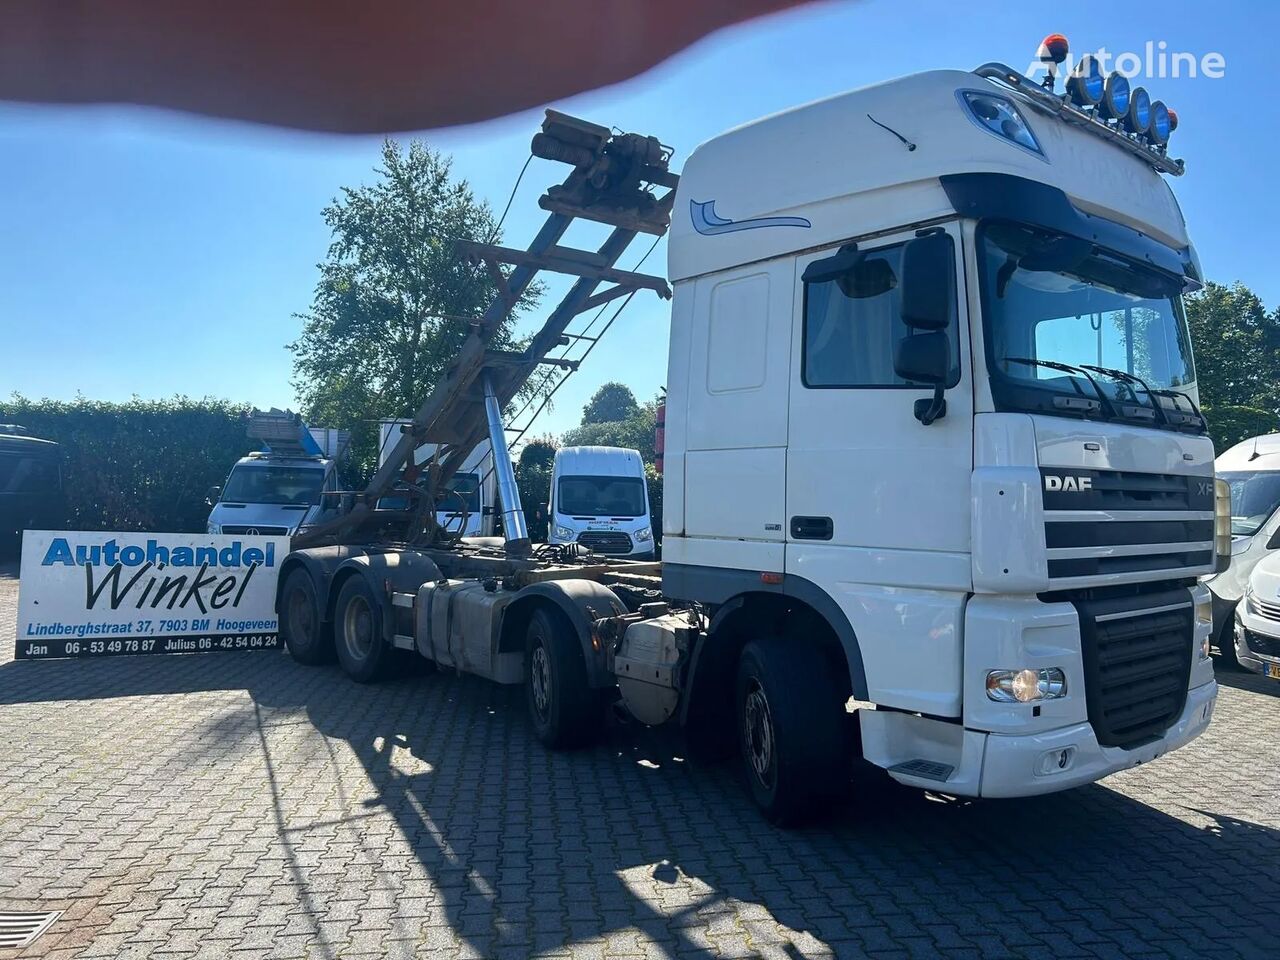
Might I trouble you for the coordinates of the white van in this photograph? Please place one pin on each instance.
(1257, 619)
(467, 510)
(1252, 469)
(270, 495)
(600, 499)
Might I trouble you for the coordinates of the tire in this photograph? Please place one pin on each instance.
(564, 710)
(791, 730)
(1226, 643)
(357, 622)
(307, 637)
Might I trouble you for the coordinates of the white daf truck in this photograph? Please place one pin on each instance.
(937, 492)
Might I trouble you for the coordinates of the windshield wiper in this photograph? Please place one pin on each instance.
(1175, 396)
(1129, 378)
(1103, 400)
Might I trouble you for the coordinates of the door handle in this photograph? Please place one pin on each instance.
(812, 528)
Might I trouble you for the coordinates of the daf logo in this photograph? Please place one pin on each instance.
(251, 532)
(1067, 484)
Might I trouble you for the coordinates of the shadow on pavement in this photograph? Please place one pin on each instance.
(527, 850)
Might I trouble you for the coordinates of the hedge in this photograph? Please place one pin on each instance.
(140, 465)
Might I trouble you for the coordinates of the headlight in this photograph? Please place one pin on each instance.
(1221, 524)
(213, 528)
(564, 533)
(1000, 116)
(1025, 686)
(1138, 119)
(644, 535)
(1115, 97)
(1161, 126)
(1204, 611)
(1086, 83)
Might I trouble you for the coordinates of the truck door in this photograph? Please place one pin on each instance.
(876, 499)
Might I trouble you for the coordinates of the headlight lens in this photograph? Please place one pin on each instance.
(1026, 685)
(1222, 524)
(564, 533)
(1204, 611)
(1000, 116)
(644, 535)
(213, 528)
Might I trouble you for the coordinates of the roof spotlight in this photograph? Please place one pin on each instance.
(1138, 119)
(1086, 85)
(1053, 51)
(1161, 125)
(1115, 97)
(1173, 120)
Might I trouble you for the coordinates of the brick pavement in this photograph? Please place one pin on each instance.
(238, 805)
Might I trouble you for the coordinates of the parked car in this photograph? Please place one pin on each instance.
(1252, 469)
(1257, 620)
(600, 499)
(30, 485)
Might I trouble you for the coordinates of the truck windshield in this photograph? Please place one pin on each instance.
(1254, 497)
(601, 497)
(1065, 319)
(268, 484)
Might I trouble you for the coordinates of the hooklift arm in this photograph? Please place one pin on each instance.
(612, 183)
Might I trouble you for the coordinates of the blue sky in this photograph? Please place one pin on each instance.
(153, 253)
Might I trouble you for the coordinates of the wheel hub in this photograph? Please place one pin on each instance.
(357, 632)
(757, 733)
(540, 679)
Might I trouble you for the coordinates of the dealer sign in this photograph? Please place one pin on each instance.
(101, 594)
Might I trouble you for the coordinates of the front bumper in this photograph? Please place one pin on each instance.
(1004, 765)
(1248, 658)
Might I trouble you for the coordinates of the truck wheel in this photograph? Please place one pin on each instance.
(362, 653)
(790, 732)
(309, 640)
(565, 712)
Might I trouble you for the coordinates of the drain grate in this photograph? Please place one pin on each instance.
(21, 929)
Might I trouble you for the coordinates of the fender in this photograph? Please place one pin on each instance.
(399, 571)
(731, 589)
(322, 563)
(582, 602)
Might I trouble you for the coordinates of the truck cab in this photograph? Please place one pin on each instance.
(270, 495)
(600, 499)
(931, 395)
(1251, 469)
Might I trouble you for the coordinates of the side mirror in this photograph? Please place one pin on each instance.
(1274, 542)
(925, 358)
(928, 266)
(213, 496)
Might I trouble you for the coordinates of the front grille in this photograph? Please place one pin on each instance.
(605, 541)
(1087, 533)
(1137, 664)
(1260, 643)
(1265, 609)
(243, 530)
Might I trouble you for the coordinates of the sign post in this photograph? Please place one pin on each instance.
(103, 594)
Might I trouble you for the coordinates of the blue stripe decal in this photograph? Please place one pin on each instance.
(707, 222)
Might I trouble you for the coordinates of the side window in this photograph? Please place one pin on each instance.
(853, 321)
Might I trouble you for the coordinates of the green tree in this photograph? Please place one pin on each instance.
(384, 321)
(1237, 347)
(612, 403)
(533, 477)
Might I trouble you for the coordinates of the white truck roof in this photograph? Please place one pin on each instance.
(596, 461)
(828, 164)
(1256, 453)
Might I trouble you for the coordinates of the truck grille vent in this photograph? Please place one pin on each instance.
(257, 531)
(605, 541)
(1086, 534)
(1137, 664)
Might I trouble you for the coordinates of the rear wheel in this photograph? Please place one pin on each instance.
(362, 652)
(564, 710)
(791, 729)
(309, 639)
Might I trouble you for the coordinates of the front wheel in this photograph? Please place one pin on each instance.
(564, 710)
(362, 652)
(790, 725)
(308, 638)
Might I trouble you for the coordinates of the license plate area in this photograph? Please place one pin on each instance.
(1272, 670)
